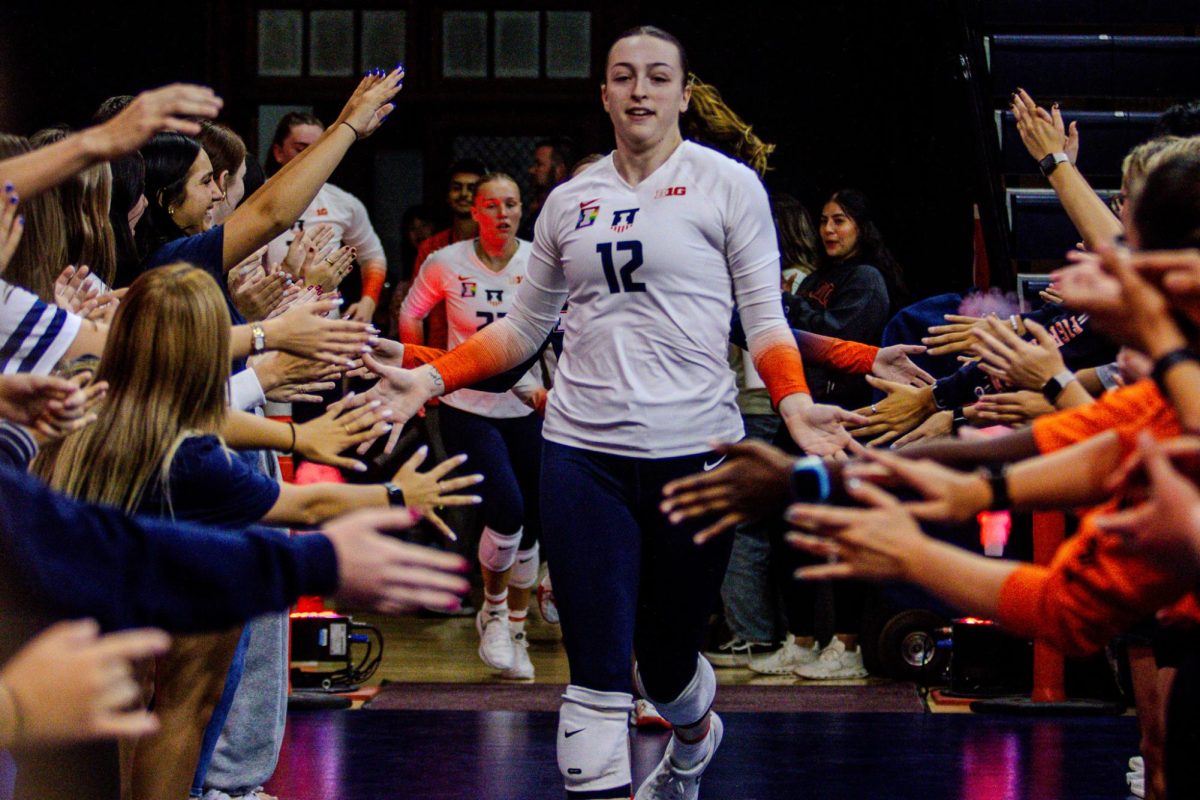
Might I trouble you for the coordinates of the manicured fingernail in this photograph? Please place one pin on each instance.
(360, 467)
(20, 219)
(14, 200)
(8, 187)
(423, 449)
(386, 413)
(387, 426)
(676, 518)
(853, 483)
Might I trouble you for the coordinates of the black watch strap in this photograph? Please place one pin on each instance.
(395, 494)
(959, 420)
(1163, 365)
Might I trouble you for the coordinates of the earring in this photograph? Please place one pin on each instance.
(171, 211)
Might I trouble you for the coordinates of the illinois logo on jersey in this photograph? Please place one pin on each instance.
(670, 191)
(588, 211)
(623, 220)
(469, 288)
(494, 296)
(322, 212)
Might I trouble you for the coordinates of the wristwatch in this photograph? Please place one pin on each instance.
(395, 494)
(958, 420)
(997, 478)
(1055, 386)
(1051, 162)
(259, 343)
(810, 480)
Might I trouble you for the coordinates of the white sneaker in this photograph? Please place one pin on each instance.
(738, 652)
(834, 663)
(495, 640)
(522, 667)
(645, 715)
(784, 661)
(1137, 785)
(545, 597)
(668, 782)
(1137, 764)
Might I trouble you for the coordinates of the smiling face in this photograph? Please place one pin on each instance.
(497, 210)
(644, 91)
(461, 194)
(839, 233)
(200, 193)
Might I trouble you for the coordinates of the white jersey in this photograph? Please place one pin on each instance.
(34, 336)
(650, 273)
(348, 216)
(475, 298)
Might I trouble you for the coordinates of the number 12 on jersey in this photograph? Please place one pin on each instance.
(626, 282)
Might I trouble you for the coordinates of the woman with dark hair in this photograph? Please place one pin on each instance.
(124, 212)
(650, 246)
(181, 188)
(296, 130)
(850, 294)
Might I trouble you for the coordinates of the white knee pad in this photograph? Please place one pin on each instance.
(593, 742)
(693, 702)
(525, 572)
(497, 552)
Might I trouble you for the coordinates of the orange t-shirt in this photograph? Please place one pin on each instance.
(1095, 587)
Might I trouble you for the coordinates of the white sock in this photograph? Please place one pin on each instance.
(497, 604)
(516, 620)
(686, 755)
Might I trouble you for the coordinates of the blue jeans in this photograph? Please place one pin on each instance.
(749, 593)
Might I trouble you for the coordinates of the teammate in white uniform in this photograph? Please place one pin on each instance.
(651, 245)
(478, 279)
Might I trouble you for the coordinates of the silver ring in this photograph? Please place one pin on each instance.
(873, 409)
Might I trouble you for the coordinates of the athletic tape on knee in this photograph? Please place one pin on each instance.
(593, 742)
(497, 552)
(525, 572)
(693, 702)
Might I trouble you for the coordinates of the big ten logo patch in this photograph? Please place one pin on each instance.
(469, 288)
(623, 219)
(588, 212)
(670, 191)
(494, 296)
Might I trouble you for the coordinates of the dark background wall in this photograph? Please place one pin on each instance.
(853, 93)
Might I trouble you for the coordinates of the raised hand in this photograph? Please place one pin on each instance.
(1037, 128)
(76, 411)
(1177, 272)
(256, 294)
(949, 495)
(73, 291)
(354, 420)
(1009, 358)
(379, 572)
(819, 429)
(304, 331)
(404, 391)
(370, 103)
(286, 378)
(873, 543)
(427, 492)
(329, 272)
(1012, 408)
(955, 337)
(893, 364)
(70, 684)
(171, 108)
(904, 408)
(752, 481)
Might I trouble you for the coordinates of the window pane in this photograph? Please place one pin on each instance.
(464, 44)
(568, 44)
(518, 48)
(383, 38)
(280, 50)
(331, 43)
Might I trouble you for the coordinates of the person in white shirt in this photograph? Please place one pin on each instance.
(651, 245)
(332, 206)
(477, 279)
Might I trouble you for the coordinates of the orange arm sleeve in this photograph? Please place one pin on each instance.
(782, 370)
(415, 355)
(372, 282)
(843, 355)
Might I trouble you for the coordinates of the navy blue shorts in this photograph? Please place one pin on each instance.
(625, 579)
(507, 452)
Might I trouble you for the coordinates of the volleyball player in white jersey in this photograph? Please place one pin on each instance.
(478, 279)
(651, 245)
